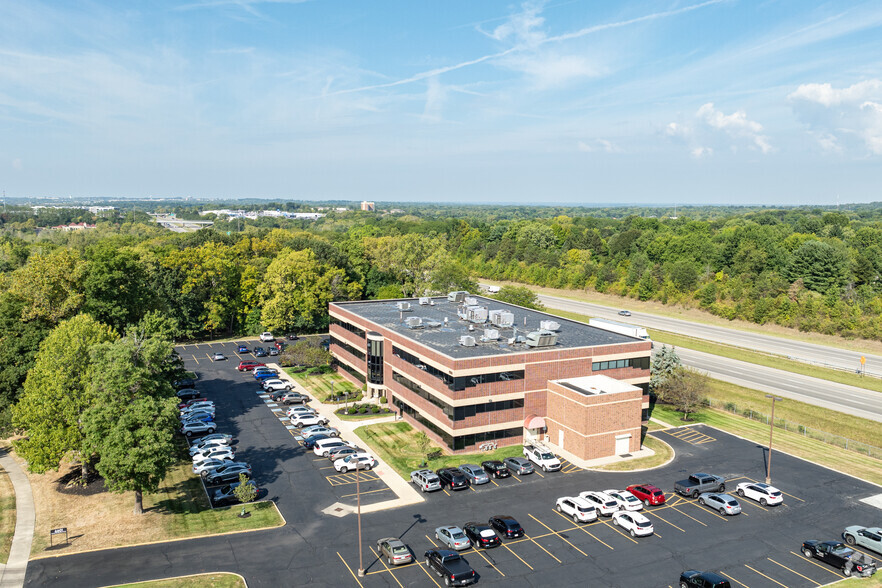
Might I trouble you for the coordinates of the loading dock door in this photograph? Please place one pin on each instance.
(623, 444)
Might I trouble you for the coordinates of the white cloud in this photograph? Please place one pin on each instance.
(842, 117)
(710, 129)
(17, 163)
(700, 152)
(599, 145)
(436, 95)
(550, 70)
(523, 27)
(736, 125)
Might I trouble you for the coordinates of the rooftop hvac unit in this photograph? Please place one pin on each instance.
(477, 314)
(470, 301)
(501, 318)
(549, 325)
(490, 335)
(467, 341)
(541, 339)
(457, 296)
(404, 306)
(413, 322)
(425, 300)
(431, 324)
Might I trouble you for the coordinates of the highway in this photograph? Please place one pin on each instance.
(807, 352)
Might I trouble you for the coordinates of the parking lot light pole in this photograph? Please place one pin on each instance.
(771, 428)
(358, 502)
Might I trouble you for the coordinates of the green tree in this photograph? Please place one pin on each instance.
(413, 258)
(451, 276)
(50, 285)
(305, 354)
(244, 492)
(664, 363)
(56, 394)
(519, 295)
(19, 342)
(820, 265)
(115, 286)
(686, 390)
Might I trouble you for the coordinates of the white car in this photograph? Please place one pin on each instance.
(216, 453)
(362, 461)
(308, 420)
(579, 509)
(204, 445)
(267, 337)
(633, 522)
(299, 410)
(323, 447)
(209, 464)
(625, 499)
(276, 385)
(762, 493)
(604, 503)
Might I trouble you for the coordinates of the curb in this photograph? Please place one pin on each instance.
(240, 576)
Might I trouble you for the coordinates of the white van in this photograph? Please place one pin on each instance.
(323, 447)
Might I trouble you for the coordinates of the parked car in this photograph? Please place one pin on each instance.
(395, 551)
(293, 398)
(316, 429)
(496, 468)
(211, 444)
(267, 337)
(624, 313)
(229, 465)
(260, 352)
(306, 420)
(453, 537)
(197, 428)
(299, 410)
(633, 522)
(273, 351)
(762, 493)
(869, 537)
(453, 478)
(604, 503)
(475, 474)
(276, 385)
(481, 535)
(839, 556)
(454, 568)
(184, 383)
(518, 465)
(266, 374)
(225, 437)
(243, 349)
(691, 578)
(198, 405)
(218, 357)
(187, 393)
(579, 509)
(542, 458)
(324, 447)
(201, 415)
(624, 499)
(309, 441)
(649, 494)
(341, 452)
(225, 495)
(209, 464)
(425, 480)
(699, 483)
(191, 402)
(228, 473)
(507, 526)
(291, 337)
(360, 461)
(724, 503)
(248, 366)
(215, 453)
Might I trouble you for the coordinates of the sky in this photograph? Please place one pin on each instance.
(580, 102)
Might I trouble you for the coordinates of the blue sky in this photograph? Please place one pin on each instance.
(574, 101)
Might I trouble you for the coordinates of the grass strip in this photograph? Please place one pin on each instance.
(872, 582)
(7, 516)
(395, 443)
(321, 386)
(663, 454)
(218, 580)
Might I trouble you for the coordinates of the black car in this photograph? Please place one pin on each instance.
(188, 393)
(260, 352)
(291, 337)
(507, 526)
(496, 468)
(451, 566)
(840, 556)
(225, 495)
(703, 580)
(453, 478)
(481, 535)
(309, 442)
(227, 473)
(185, 383)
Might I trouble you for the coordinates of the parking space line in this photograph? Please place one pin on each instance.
(745, 500)
(691, 517)
(792, 496)
(582, 529)
(814, 563)
(196, 345)
(444, 490)
(864, 552)
(430, 540)
(734, 580)
(710, 510)
(668, 522)
(517, 556)
(194, 358)
(619, 531)
(354, 577)
(557, 534)
(239, 356)
(794, 571)
(538, 474)
(368, 492)
(515, 477)
(494, 483)
(385, 566)
(492, 565)
(431, 577)
(765, 576)
(208, 357)
(545, 550)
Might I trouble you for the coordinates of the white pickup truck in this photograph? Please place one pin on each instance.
(542, 457)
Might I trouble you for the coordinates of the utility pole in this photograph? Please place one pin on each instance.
(771, 428)
(358, 502)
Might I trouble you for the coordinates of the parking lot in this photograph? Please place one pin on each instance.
(758, 548)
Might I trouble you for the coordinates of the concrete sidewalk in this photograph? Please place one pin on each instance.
(12, 574)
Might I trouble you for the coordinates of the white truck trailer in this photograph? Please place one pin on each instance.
(621, 328)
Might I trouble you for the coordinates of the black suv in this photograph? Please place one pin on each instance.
(496, 468)
(703, 580)
(507, 526)
(453, 478)
(185, 383)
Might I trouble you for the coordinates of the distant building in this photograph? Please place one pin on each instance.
(368, 206)
(100, 209)
(73, 227)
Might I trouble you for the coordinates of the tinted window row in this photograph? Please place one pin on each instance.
(462, 441)
(356, 352)
(358, 375)
(459, 383)
(640, 363)
(348, 326)
(457, 413)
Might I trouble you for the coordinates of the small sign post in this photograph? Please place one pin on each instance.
(57, 531)
(863, 365)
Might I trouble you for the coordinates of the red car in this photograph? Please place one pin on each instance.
(184, 405)
(649, 494)
(247, 366)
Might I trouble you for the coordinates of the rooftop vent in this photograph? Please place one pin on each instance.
(431, 324)
(501, 318)
(457, 296)
(467, 341)
(425, 300)
(404, 306)
(541, 339)
(490, 335)
(414, 322)
(549, 325)
(470, 301)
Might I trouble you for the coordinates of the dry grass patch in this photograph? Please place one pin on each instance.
(218, 580)
(7, 515)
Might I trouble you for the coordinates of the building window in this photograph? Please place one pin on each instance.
(375, 362)
(462, 441)
(356, 352)
(457, 413)
(355, 373)
(348, 326)
(459, 383)
(639, 363)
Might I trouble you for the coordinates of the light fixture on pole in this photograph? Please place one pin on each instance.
(771, 428)
(358, 502)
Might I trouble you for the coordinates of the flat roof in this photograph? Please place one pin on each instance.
(444, 337)
(596, 385)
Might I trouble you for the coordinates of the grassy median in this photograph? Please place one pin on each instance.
(322, 385)
(218, 580)
(395, 443)
(7, 516)
(663, 454)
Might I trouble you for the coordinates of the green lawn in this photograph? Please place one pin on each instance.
(320, 386)
(7, 516)
(872, 582)
(364, 417)
(395, 443)
(219, 580)
(663, 454)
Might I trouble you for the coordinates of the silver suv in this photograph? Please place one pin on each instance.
(427, 480)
